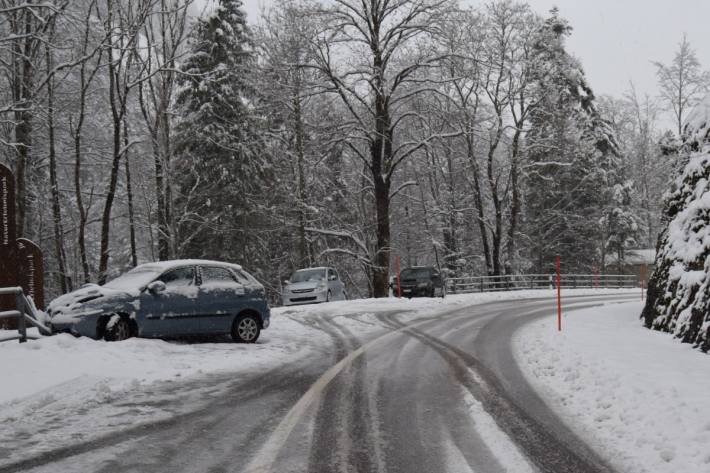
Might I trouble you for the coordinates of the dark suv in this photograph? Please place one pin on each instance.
(424, 281)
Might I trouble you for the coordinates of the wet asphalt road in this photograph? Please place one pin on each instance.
(399, 401)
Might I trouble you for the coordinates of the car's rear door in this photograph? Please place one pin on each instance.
(173, 311)
(219, 298)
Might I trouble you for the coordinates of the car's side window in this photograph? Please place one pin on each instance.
(214, 275)
(180, 277)
(242, 278)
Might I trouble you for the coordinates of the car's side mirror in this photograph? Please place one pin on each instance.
(332, 277)
(156, 287)
(239, 290)
(287, 282)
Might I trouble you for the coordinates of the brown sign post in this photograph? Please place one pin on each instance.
(21, 262)
(31, 270)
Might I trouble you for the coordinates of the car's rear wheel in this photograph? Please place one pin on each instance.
(117, 329)
(246, 329)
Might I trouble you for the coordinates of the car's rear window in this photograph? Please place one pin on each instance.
(211, 274)
(308, 275)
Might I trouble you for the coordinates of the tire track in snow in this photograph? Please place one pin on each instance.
(548, 453)
(266, 458)
(344, 415)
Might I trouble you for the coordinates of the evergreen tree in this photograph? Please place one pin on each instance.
(572, 157)
(620, 223)
(679, 290)
(219, 166)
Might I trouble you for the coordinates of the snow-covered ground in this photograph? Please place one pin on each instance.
(639, 397)
(61, 390)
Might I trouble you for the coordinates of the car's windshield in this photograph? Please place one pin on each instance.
(420, 273)
(308, 275)
(134, 279)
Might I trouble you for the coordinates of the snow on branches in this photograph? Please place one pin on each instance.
(679, 290)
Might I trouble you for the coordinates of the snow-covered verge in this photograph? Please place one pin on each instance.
(639, 397)
(61, 390)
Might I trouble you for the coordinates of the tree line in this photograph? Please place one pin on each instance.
(345, 133)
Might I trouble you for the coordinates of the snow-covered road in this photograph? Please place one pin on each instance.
(378, 385)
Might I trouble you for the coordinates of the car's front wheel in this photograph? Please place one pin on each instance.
(246, 329)
(117, 329)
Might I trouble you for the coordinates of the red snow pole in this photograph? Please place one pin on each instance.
(399, 286)
(559, 296)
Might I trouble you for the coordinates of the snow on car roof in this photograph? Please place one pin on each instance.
(166, 265)
(310, 269)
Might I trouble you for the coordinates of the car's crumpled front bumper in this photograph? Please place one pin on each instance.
(83, 323)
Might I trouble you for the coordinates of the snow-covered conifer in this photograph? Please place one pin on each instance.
(572, 157)
(679, 291)
(218, 158)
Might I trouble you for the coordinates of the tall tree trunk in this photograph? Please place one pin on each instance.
(497, 234)
(22, 87)
(62, 278)
(116, 115)
(129, 192)
(380, 273)
(515, 202)
(478, 199)
(301, 178)
(381, 153)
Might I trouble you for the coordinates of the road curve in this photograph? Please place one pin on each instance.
(441, 394)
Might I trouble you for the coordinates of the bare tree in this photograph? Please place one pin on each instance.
(682, 82)
(285, 47)
(369, 55)
(26, 24)
(164, 33)
(123, 22)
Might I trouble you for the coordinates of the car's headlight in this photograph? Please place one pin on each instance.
(321, 285)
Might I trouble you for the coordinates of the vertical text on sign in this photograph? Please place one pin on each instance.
(5, 210)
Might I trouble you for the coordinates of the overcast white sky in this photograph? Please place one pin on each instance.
(616, 40)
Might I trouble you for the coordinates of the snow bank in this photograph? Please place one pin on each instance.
(638, 397)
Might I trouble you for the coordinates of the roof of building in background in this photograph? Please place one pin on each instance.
(635, 257)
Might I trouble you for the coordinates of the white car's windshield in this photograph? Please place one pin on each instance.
(308, 275)
(133, 279)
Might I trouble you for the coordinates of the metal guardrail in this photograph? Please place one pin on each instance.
(25, 312)
(539, 281)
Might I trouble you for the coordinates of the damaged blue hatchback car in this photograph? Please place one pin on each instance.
(164, 300)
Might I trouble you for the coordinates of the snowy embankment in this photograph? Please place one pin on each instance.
(637, 396)
(61, 390)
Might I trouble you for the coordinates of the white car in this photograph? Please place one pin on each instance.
(312, 285)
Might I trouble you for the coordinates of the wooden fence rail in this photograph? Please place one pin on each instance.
(25, 313)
